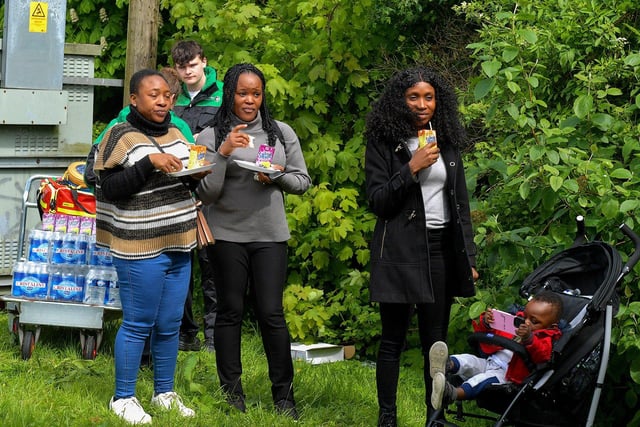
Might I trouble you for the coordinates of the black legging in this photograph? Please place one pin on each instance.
(264, 265)
(433, 321)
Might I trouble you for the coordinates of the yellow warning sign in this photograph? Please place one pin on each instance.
(38, 13)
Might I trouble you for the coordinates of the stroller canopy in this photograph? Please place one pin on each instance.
(591, 269)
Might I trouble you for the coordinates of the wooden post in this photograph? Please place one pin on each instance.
(142, 39)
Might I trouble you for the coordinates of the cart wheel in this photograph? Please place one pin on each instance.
(28, 344)
(89, 349)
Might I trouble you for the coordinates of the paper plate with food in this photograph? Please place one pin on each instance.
(263, 167)
(190, 171)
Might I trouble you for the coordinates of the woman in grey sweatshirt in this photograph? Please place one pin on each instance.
(245, 209)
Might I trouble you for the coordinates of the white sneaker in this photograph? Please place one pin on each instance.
(438, 358)
(437, 391)
(170, 400)
(130, 410)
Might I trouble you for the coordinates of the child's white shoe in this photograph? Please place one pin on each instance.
(438, 358)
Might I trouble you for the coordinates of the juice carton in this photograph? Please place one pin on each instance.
(196, 156)
(48, 221)
(426, 136)
(265, 156)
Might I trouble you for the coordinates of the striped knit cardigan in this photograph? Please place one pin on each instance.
(158, 216)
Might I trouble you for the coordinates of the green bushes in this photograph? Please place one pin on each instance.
(557, 97)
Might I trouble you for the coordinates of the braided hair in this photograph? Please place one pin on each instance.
(391, 120)
(224, 118)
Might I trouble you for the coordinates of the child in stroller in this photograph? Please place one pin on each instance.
(565, 391)
(536, 333)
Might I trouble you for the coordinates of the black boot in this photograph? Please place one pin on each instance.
(236, 401)
(436, 418)
(387, 418)
(288, 408)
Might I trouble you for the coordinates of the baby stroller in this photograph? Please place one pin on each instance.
(565, 391)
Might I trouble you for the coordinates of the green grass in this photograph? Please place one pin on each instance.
(56, 387)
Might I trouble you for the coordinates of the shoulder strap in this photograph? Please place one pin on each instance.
(155, 143)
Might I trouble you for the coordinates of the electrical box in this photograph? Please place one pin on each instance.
(46, 109)
(33, 41)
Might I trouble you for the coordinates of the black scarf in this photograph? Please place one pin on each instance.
(147, 126)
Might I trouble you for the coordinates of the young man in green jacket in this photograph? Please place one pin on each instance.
(201, 94)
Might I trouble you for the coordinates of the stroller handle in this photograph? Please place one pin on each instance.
(635, 256)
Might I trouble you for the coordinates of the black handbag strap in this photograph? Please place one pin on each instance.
(155, 143)
(76, 200)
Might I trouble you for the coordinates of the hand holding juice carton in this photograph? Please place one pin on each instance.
(426, 136)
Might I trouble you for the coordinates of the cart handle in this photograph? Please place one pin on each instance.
(25, 205)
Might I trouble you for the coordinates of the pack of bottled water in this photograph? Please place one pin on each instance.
(30, 280)
(101, 286)
(64, 263)
(67, 282)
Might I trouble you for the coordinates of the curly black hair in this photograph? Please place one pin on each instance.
(223, 120)
(390, 119)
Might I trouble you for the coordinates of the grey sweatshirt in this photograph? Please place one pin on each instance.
(240, 209)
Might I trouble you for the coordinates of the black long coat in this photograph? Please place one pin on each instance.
(399, 249)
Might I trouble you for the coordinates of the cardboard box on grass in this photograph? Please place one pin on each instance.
(317, 353)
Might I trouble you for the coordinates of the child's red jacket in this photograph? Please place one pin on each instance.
(539, 348)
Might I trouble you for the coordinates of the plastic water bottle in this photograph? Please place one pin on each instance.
(98, 255)
(95, 286)
(64, 284)
(19, 274)
(39, 245)
(81, 275)
(62, 248)
(69, 248)
(112, 296)
(30, 280)
(80, 253)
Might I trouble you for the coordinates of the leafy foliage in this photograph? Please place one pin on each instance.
(556, 101)
(323, 61)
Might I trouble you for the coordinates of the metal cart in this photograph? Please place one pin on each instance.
(26, 316)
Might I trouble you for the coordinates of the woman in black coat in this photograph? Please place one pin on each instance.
(422, 250)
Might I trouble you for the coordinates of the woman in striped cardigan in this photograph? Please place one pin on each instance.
(147, 218)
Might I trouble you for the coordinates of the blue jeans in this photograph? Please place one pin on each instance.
(152, 293)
